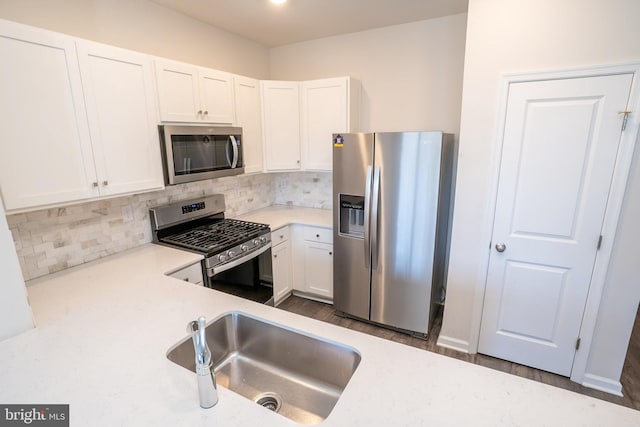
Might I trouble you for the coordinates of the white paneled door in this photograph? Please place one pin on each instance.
(560, 144)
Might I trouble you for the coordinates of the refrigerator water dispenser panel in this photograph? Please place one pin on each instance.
(352, 216)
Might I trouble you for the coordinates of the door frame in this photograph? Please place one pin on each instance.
(621, 171)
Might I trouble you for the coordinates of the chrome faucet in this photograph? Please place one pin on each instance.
(207, 391)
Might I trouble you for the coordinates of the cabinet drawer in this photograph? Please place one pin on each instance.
(316, 234)
(280, 235)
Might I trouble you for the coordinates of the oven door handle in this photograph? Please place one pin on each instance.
(238, 261)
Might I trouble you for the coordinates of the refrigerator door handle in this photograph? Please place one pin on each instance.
(375, 203)
(367, 213)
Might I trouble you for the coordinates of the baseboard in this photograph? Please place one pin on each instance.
(453, 343)
(603, 384)
(312, 297)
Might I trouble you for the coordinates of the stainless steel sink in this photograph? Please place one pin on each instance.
(296, 375)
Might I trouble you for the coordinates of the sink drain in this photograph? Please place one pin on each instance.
(271, 401)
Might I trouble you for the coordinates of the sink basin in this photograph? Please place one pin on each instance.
(294, 374)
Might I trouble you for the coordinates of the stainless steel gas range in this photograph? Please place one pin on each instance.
(237, 253)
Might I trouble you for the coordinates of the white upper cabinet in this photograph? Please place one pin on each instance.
(78, 120)
(299, 119)
(281, 125)
(45, 149)
(123, 122)
(328, 106)
(188, 93)
(248, 117)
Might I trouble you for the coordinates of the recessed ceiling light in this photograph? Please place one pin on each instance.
(278, 1)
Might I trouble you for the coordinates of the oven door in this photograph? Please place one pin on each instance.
(246, 277)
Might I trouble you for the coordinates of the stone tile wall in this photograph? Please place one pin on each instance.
(54, 239)
(51, 240)
(306, 189)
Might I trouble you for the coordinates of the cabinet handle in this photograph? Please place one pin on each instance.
(330, 253)
(206, 112)
(186, 280)
(275, 255)
(95, 184)
(282, 236)
(105, 183)
(317, 235)
(199, 112)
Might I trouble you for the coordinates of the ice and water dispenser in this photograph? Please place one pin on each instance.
(352, 215)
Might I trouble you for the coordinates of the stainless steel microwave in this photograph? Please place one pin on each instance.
(196, 152)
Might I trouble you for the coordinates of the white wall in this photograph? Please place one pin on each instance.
(145, 27)
(411, 74)
(15, 313)
(531, 35)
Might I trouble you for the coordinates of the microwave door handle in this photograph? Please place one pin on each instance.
(234, 145)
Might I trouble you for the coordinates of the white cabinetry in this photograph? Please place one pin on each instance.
(299, 119)
(58, 146)
(123, 123)
(248, 117)
(191, 273)
(281, 125)
(281, 264)
(188, 93)
(328, 106)
(313, 262)
(45, 150)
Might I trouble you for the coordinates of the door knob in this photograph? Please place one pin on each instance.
(500, 247)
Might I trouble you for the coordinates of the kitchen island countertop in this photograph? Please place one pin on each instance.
(103, 330)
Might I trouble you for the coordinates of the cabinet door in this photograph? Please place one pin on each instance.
(45, 149)
(318, 269)
(120, 100)
(325, 111)
(216, 96)
(248, 117)
(281, 264)
(191, 274)
(178, 92)
(281, 125)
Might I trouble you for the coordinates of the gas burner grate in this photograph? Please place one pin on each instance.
(217, 236)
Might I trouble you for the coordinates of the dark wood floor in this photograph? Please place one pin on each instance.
(630, 375)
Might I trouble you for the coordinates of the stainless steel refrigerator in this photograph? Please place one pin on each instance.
(392, 197)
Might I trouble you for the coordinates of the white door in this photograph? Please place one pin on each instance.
(560, 143)
(216, 96)
(123, 121)
(45, 148)
(247, 94)
(281, 125)
(324, 112)
(178, 92)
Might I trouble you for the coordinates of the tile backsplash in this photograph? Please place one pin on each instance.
(54, 239)
(306, 189)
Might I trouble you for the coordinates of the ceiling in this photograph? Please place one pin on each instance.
(300, 20)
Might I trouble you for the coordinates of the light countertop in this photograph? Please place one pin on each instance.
(103, 330)
(280, 215)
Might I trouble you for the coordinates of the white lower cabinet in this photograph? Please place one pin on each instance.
(313, 262)
(191, 273)
(281, 264)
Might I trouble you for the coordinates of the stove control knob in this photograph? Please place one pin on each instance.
(263, 240)
(230, 254)
(244, 248)
(256, 242)
(221, 257)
